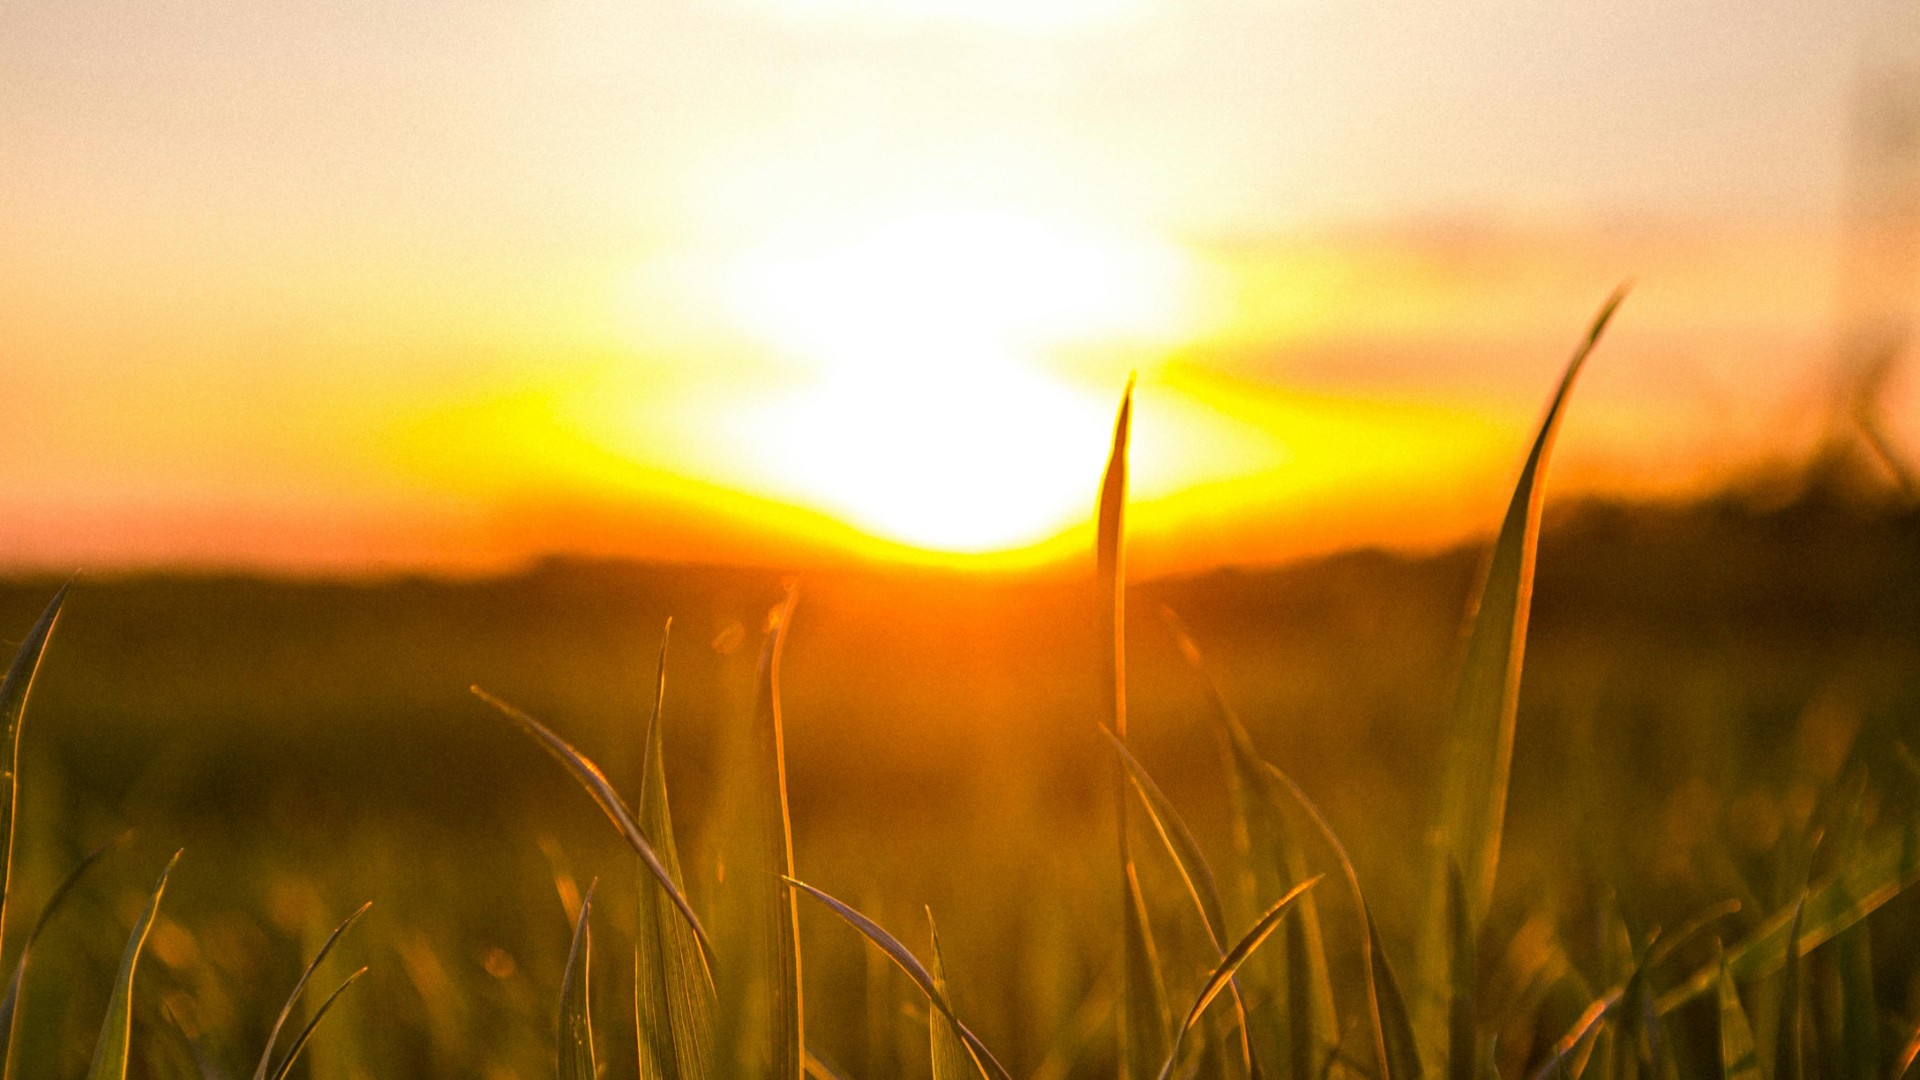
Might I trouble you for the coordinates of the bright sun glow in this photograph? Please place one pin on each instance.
(929, 411)
(1015, 15)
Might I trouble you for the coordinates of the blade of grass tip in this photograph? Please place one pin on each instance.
(1396, 1026)
(1787, 1057)
(1479, 750)
(1462, 1048)
(14, 690)
(673, 995)
(601, 789)
(116, 1031)
(785, 1006)
(951, 1058)
(1222, 973)
(306, 1033)
(1739, 1057)
(1473, 803)
(904, 959)
(9, 1004)
(264, 1069)
(574, 1028)
(1193, 867)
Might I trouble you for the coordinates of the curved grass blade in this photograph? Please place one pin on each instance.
(1739, 1058)
(1301, 1030)
(1480, 742)
(673, 990)
(951, 1058)
(1907, 1055)
(575, 1024)
(306, 1033)
(10, 1003)
(601, 789)
(1194, 871)
(1222, 973)
(904, 959)
(14, 690)
(116, 1031)
(263, 1071)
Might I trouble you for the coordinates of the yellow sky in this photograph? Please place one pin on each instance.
(412, 284)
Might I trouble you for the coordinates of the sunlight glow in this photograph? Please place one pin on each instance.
(930, 411)
(1024, 16)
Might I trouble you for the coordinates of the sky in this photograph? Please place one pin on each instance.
(427, 285)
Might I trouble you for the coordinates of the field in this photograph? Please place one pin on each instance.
(1709, 728)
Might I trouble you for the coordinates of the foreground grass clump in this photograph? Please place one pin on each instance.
(1239, 938)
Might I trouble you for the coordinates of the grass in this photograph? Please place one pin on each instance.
(1474, 943)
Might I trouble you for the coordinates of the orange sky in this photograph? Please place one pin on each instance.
(411, 285)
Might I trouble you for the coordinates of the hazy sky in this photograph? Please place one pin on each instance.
(405, 282)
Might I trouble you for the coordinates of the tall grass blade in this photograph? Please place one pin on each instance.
(1859, 1049)
(1222, 974)
(951, 1058)
(601, 789)
(9, 1005)
(1787, 1056)
(306, 1033)
(1480, 737)
(116, 1031)
(14, 690)
(1908, 1055)
(1479, 749)
(1143, 999)
(785, 1012)
(1462, 976)
(916, 971)
(264, 1070)
(673, 991)
(575, 1024)
(1739, 1057)
(1306, 1033)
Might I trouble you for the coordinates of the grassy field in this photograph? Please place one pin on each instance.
(1708, 740)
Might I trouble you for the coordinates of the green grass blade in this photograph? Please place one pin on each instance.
(14, 690)
(1223, 972)
(1480, 737)
(1787, 1056)
(785, 1009)
(1739, 1058)
(1462, 976)
(575, 1025)
(116, 1031)
(306, 1033)
(264, 1070)
(9, 1005)
(951, 1058)
(673, 989)
(1396, 1025)
(1885, 866)
(904, 959)
(1908, 1055)
(601, 789)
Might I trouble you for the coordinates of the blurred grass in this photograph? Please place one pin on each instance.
(1707, 685)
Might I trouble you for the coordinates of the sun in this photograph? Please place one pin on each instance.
(931, 406)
